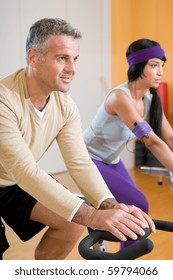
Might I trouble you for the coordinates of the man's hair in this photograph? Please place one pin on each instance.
(43, 29)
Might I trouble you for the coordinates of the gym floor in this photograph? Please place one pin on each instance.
(161, 207)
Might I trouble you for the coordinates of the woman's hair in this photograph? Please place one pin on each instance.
(135, 71)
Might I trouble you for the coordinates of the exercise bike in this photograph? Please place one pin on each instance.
(159, 172)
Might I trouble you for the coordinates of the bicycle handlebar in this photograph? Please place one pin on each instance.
(163, 225)
(134, 251)
(131, 252)
(156, 171)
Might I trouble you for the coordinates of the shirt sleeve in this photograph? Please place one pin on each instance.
(79, 164)
(18, 165)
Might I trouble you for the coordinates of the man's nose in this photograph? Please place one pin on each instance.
(70, 66)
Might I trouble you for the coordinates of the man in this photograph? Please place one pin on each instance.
(36, 109)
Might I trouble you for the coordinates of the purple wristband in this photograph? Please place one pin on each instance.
(142, 129)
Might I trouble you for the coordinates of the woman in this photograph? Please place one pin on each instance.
(131, 110)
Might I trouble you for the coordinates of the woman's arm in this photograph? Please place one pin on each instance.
(119, 103)
(162, 148)
(167, 132)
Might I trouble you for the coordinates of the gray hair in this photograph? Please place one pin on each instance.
(43, 29)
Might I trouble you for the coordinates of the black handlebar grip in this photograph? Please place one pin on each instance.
(163, 225)
(134, 251)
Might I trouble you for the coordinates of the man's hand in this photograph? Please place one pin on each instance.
(135, 211)
(118, 220)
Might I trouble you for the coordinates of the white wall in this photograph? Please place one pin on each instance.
(128, 155)
(93, 78)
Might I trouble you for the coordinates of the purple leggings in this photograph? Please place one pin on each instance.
(122, 187)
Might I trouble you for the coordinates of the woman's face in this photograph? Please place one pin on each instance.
(153, 72)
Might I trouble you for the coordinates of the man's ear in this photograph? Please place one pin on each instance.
(32, 57)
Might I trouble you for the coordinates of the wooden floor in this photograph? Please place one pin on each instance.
(161, 207)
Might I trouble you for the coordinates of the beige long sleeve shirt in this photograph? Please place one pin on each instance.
(24, 138)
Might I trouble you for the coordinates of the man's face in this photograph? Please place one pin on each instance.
(55, 67)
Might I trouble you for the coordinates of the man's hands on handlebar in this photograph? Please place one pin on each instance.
(117, 218)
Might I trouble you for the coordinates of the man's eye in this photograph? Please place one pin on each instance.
(76, 59)
(61, 58)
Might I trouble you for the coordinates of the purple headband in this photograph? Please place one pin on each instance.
(145, 54)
